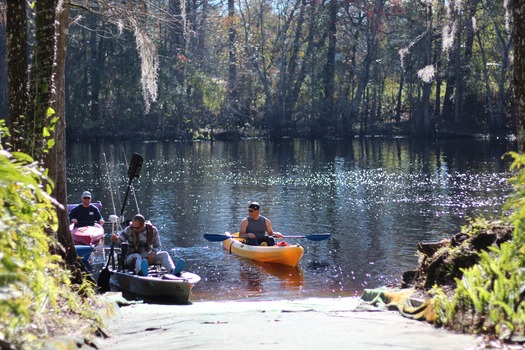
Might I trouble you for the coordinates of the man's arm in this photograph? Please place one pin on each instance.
(155, 242)
(100, 219)
(270, 230)
(73, 215)
(242, 229)
(121, 238)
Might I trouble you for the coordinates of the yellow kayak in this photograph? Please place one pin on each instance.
(287, 255)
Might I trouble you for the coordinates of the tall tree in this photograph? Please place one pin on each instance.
(232, 57)
(16, 29)
(177, 53)
(55, 160)
(33, 118)
(372, 29)
(98, 58)
(40, 111)
(518, 14)
(329, 68)
(3, 62)
(423, 123)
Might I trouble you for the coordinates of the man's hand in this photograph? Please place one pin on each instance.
(151, 257)
(277, 235)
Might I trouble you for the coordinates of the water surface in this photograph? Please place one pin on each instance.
(378, 198)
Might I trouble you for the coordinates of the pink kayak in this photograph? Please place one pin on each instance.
(87, 235)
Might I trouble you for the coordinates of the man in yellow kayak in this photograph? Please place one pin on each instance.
(257, 228)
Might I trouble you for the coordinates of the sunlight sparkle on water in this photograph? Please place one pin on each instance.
(377, 198)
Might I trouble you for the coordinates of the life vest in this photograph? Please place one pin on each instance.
(135, 239)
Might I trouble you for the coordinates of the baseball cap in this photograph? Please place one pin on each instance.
(254, 206)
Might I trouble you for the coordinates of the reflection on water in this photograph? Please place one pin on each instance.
(257, 274)
(378, 198)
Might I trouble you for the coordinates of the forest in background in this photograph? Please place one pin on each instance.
(288, 68)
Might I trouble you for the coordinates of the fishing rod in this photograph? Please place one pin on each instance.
(110, 187)
(114, 219)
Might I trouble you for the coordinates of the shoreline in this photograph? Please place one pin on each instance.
(310, 323)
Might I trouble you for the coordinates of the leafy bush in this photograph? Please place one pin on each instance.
(36, 295)
(490, 297)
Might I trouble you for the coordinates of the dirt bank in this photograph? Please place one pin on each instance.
(345, 323)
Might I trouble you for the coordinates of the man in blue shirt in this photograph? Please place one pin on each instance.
(85, 214)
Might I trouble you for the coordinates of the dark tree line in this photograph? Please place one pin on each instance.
(310, 68)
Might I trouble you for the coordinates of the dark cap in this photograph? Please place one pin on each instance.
(254, 206)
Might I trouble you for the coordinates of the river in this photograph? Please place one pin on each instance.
(376, 197)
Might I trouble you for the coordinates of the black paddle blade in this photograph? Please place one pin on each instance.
(105, 274)
(135, 166)
(103, 280)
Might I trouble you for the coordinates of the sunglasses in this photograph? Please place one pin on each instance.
(251, 210)
(87, 197)
(136, 228)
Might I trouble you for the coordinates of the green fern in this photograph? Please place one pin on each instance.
(489, 293)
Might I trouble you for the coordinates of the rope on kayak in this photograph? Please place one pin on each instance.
(230, 249)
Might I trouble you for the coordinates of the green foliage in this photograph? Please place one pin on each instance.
(475, 226)
(490, 297)
(33, 284)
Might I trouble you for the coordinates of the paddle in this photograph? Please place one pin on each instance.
(135, 166)
(104, 276)
(212, 237)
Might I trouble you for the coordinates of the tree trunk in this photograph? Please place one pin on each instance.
(3, 69)
(488, 91)
(363, 128)
(39, 111)
(447, 112)
(452, 71)
(400, 95)
(177, 54)
(299, 80)
(518, 13)
(438, 47)
(462, 64)
(425, 126)
(55, 160)
(96, 68)
(424, 111)
(329, 69)
(458, 95)
(232, 59)
(17, 64)
(439, 81)
(506, 43)
(363, 82)
(200, 52)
